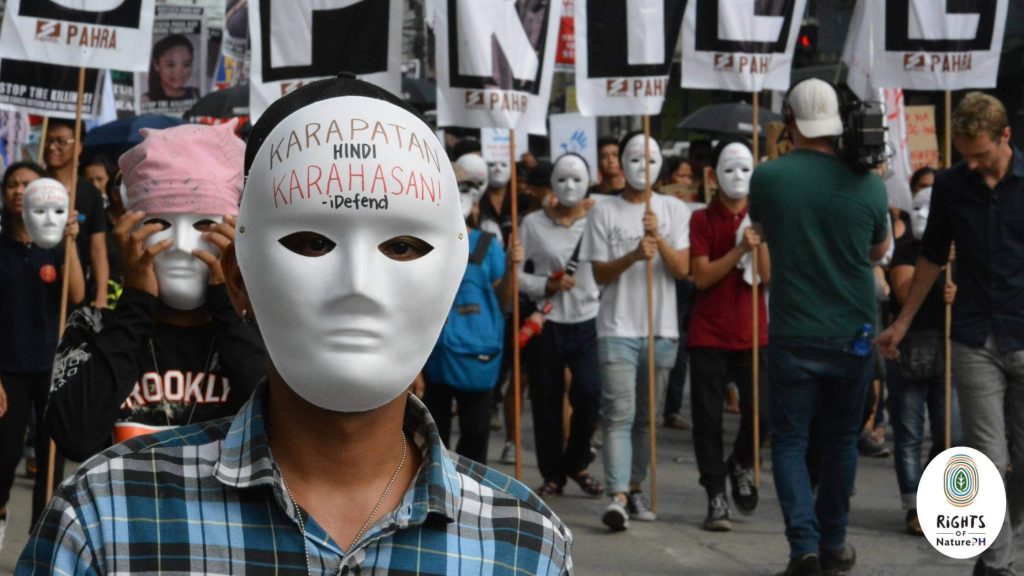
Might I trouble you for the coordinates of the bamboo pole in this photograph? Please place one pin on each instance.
(755, 129)
(42, 140)
(651, 388)
(517, 400)
(69, 245)
(756, 328)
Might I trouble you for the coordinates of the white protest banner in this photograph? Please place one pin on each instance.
(93, 34)
(495, 61)
(927, 44)
(298, 41)
(14, 132)
(176, 76)
(494, 144)
(565, 56)
(624, 54)
(922, 140)
(575, 133)
(740, 45)
(48, 89)
(897, 174)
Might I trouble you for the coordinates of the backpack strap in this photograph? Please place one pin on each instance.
(482, 245)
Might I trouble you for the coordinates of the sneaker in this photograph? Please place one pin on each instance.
(913, 523)
(838, 561)
(718, 519)
(676, 422)
(615, 515)
(744, 491)
(640, 507)
(870, 447)
(508, 453)
(806, 565)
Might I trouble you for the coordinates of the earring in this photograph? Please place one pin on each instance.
(246, 317)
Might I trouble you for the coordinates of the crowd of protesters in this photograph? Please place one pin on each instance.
(153, 342)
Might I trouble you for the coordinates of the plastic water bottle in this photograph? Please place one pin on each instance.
(863, 341)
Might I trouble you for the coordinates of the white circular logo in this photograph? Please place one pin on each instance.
(961, 502)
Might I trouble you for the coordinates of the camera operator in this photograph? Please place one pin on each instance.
(825, 222)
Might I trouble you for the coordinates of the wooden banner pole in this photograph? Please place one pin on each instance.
(517, 399)
(948, 161)
(42, 141)
(651, 376)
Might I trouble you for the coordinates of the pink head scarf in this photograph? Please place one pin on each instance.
(188, 169)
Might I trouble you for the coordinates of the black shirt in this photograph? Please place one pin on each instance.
(504, 219)
(932, 314)
(92, 219)
(30, 287)
(988, 228)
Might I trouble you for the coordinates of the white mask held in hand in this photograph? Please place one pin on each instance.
(735, 165)
(475, 174)
(919, 214)
(45, 211)
(498, 173)
(633, 162)
(351, 262)
(181, 277)
(569, 179)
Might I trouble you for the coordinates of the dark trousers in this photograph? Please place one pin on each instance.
(474, 417)
(25, 391)
(559, 346)
(677, 377)
(712, 369)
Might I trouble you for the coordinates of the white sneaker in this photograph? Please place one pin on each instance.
(640, 507)
(508, 453)
(615, 515)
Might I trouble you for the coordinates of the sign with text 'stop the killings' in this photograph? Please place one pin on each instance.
(927, 44)
(298, 41)
(495, 61)
(89, 33)
(740, 45)
(624, 53)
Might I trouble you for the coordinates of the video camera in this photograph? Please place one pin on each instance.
(862, 143)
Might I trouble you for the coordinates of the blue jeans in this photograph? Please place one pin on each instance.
(907, 401)
(804, 375)
(625, 405)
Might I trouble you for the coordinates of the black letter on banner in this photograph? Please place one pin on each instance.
(353, 38)
(898, 17)
(126, 14)
(607, 38)
(533, 15)
(708, 12)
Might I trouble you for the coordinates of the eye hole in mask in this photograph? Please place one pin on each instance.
(405, 248)
(163, 223)
(309, 244)
(204, 225)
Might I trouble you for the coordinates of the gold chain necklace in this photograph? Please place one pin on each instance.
(387, 489)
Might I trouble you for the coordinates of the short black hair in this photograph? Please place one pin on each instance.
(921, 173)
(716, 153)
(585, 163)
(606, 141)
(468, 145)
(69, 124)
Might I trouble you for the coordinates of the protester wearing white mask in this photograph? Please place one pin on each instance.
(348, 264)
(551, 239)
(172, 352)
(621, 235)
(473, 185)
(31, 277)
(721, 334)
(496, 204)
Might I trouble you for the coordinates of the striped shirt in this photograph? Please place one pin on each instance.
(209, 499)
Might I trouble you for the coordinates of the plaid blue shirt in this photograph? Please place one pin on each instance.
(208, 499)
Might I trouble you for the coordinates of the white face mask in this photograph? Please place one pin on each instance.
(735, 165)
(919, 215)
(45, 212)
(569, 179)
(181, 277)
(351, 279)
(633, 162)
(476, 170)
(499, 173)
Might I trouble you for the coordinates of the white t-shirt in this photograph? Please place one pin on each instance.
(549, 245)
(614, 229)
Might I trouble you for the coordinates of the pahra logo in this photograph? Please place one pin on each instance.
(492, 100)
(47, 31)
(742, 63)
(939, 38)
(80, 35)
(635, 87)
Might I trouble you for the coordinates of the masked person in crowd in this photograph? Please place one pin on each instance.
(332, 464)
(173, 352)
(620, 237)
(917, 381)
(721, 333)
(565, 293)
(825, 224)
(611, 180)
(60, 151)
(496, 205)
(976, 204)
(36, 220)
(102, 173)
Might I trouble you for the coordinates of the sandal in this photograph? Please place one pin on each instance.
(549, 488)
(588, 483)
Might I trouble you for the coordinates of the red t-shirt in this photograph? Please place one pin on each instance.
(721, 315)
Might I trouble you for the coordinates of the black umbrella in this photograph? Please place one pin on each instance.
(223, 104)
(115, 138)
(732, 119)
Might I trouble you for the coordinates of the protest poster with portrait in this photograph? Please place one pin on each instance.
(94, 34)
(48, 89)
(298, 41)
(495, 62)
(176, 76)
(235, 53)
